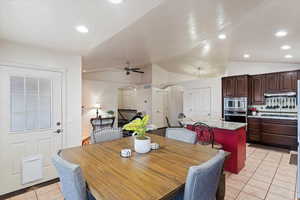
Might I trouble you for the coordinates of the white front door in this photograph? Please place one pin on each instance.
(31, 125)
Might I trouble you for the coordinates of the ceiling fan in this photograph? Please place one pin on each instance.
(130, 69)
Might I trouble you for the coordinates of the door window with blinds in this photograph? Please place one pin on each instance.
(30, 100)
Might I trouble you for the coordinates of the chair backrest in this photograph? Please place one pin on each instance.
(72, 182)
(203, 180)
(205, 133)
(99, 122)
(105, 134)
(181, 134)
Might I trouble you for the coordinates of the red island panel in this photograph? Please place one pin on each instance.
(235, 143)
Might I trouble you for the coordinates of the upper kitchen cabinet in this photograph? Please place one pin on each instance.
(288, 81)
(241, 86)
(228, 86)
(235, 86)
(272, 83)
(258, 89)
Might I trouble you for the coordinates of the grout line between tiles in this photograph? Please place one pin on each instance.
(252, 174)
(273, 176)
(36, 195)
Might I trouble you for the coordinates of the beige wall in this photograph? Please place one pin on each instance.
(13, 54)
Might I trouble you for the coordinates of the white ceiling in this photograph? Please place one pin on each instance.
(51, 23)
(177, 35)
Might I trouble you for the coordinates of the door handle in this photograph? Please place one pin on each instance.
(58, 131)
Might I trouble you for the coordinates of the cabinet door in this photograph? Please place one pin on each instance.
(288, 81)
(241, 86)
(258, 89)
(272, 83)
(229, 85)
(254, 129)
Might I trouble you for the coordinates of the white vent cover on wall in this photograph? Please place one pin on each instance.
(32, 168)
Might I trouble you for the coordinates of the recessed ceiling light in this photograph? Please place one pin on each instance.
(285, 47)
(222, 36)
(82, 29)
(246, 55)
(288, 56)
(116, 1)
(281, 33)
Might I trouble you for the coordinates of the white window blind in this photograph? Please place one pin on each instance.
(30, 103)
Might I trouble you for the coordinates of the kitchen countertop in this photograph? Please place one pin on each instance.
(271, 117)
(288, 116)
(217, 123)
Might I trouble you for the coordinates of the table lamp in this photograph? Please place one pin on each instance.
(97, 107)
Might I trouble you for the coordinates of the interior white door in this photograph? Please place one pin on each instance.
(31, 123)
(197, 103)
(158, 108)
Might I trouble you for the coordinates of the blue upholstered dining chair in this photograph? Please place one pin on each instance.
(202, 181)
(182, 134)
(73, 185)
(105, 134)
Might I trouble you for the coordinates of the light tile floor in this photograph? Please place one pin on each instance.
(49, 192)
(266, 176)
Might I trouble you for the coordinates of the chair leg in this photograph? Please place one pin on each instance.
(221, 188)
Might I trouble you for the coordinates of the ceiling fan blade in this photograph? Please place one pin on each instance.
(138, 71)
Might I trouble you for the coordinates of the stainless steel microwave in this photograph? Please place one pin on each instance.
(236, 104)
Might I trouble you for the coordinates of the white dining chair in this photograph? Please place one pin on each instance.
(73, 185)
(105, 134)
(182, 134)
(202, 181)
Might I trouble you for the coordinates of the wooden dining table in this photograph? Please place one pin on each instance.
(159, 174)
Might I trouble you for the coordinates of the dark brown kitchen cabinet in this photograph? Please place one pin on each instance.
(258, 89)
(288, 81)
(235, 86)
(253, 130)
(272, 83)
(241, 86)
(277, 132)
(229, 86)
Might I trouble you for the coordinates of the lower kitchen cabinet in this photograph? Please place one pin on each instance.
(276, 132)
(253, 131)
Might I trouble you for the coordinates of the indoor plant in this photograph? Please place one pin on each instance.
(142, 143)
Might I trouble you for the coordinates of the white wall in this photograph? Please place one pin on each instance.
(25, 56)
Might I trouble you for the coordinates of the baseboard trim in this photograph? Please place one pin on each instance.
(24, 190)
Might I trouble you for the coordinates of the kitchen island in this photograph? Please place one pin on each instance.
(232, 137)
